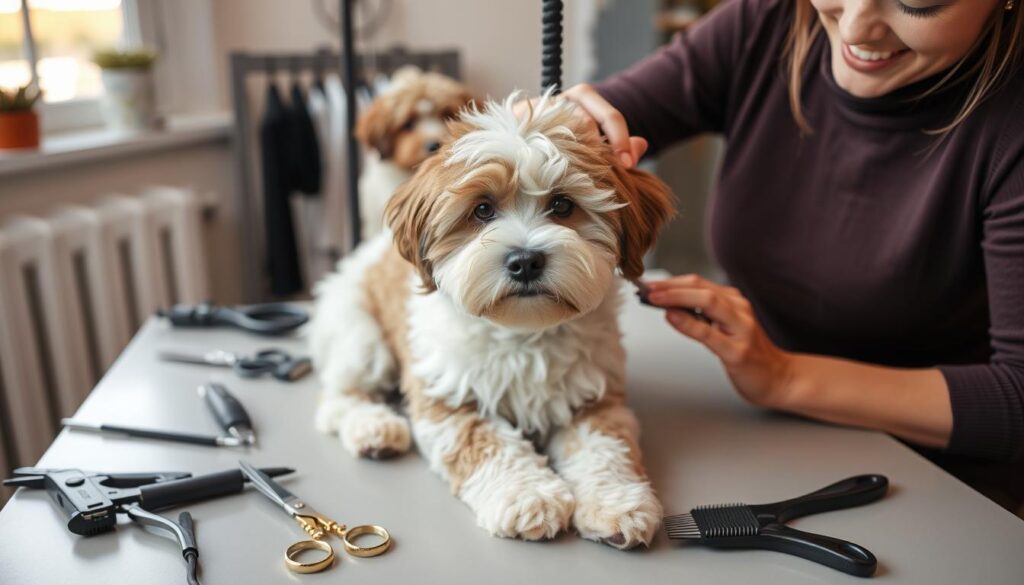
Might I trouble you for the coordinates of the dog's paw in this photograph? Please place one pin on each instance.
(619, 514)
(533, 505)
(534, 512)
(374, 431)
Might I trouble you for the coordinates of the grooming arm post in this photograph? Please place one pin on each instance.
(348, 74)
(551, 46)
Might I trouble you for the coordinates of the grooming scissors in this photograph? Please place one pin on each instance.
(316, 525)
(278, 363)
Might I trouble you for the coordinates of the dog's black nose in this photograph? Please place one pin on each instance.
(433, 146)
(525, 265)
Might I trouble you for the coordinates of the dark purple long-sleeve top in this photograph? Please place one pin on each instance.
(867, 239)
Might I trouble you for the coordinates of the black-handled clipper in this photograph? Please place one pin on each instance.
(229, 412)
(763, 526)
(91, 500)
(265, 319)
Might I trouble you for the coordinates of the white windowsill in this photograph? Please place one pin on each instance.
(94, 145)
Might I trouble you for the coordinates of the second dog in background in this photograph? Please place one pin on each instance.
(402, 127)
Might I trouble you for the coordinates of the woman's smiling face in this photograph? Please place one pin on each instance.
(882, 45)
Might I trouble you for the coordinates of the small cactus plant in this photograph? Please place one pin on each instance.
(124, 58)
(20, 99)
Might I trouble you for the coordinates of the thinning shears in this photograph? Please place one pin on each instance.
(316, 525)
(276, 362)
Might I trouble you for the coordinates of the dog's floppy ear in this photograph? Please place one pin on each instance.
(373, 129)
(649, 205)
(408, 215)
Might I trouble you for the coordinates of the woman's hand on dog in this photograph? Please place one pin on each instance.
(597, 111)
(759, 370)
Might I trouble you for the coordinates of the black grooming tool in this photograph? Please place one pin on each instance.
(230, 415)
(764, 526)
(182, 530)
(265, 319)
(642, 292)
(229, 412)
(91, 501)
(276, 362)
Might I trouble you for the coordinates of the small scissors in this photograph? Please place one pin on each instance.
(278, 363)
(316, 525)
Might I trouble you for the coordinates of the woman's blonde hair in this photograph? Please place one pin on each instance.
(1000, 48)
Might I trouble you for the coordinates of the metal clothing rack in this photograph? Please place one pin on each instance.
(245, 65)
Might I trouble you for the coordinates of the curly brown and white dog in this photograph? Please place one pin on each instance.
(399, 129)
(492, 304)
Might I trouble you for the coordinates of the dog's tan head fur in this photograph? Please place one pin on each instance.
(545, 185)
(406, 123)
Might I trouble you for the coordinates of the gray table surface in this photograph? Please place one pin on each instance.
(702, 445)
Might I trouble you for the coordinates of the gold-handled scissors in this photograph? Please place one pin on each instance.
(316, 525)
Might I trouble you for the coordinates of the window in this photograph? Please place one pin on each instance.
(51, 42)
(64, 34)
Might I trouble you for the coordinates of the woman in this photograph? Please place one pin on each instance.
(869, 212)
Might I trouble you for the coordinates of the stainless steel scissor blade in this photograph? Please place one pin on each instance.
(210, 358)
(273, 490)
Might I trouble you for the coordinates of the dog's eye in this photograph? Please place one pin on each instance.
(408, 124)
(484, 211)
(562, 206)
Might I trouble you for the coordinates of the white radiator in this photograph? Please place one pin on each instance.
(74, 286)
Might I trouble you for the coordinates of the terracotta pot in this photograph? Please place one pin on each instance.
(19, 130)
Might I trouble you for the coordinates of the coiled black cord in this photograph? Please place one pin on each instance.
(551, 45)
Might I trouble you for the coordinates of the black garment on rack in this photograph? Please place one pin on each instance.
(303, 148)
(282, 253)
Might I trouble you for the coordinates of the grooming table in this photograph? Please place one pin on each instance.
(702, 445)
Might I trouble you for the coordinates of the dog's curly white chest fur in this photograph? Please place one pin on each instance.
(536, 380)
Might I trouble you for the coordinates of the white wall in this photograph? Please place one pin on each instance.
(499, 40)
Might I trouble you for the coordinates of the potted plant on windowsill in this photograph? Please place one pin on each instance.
(129, 101)
(19, 123)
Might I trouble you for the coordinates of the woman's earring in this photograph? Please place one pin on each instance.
(1009, 5)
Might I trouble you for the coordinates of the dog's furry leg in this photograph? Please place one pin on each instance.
(599, 455)
(354, 363)
(366, 428)
(493, 469)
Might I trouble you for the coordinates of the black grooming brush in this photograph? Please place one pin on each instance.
(643, 292)
(764, 526)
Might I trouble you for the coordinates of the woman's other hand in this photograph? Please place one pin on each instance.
(759, 370)
(595, 110)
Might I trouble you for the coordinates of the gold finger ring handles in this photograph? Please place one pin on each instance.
(318, 528)
(366, 551)
(294, 564)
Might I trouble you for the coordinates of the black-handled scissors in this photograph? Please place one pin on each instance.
(265, 319)
(276, 362)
